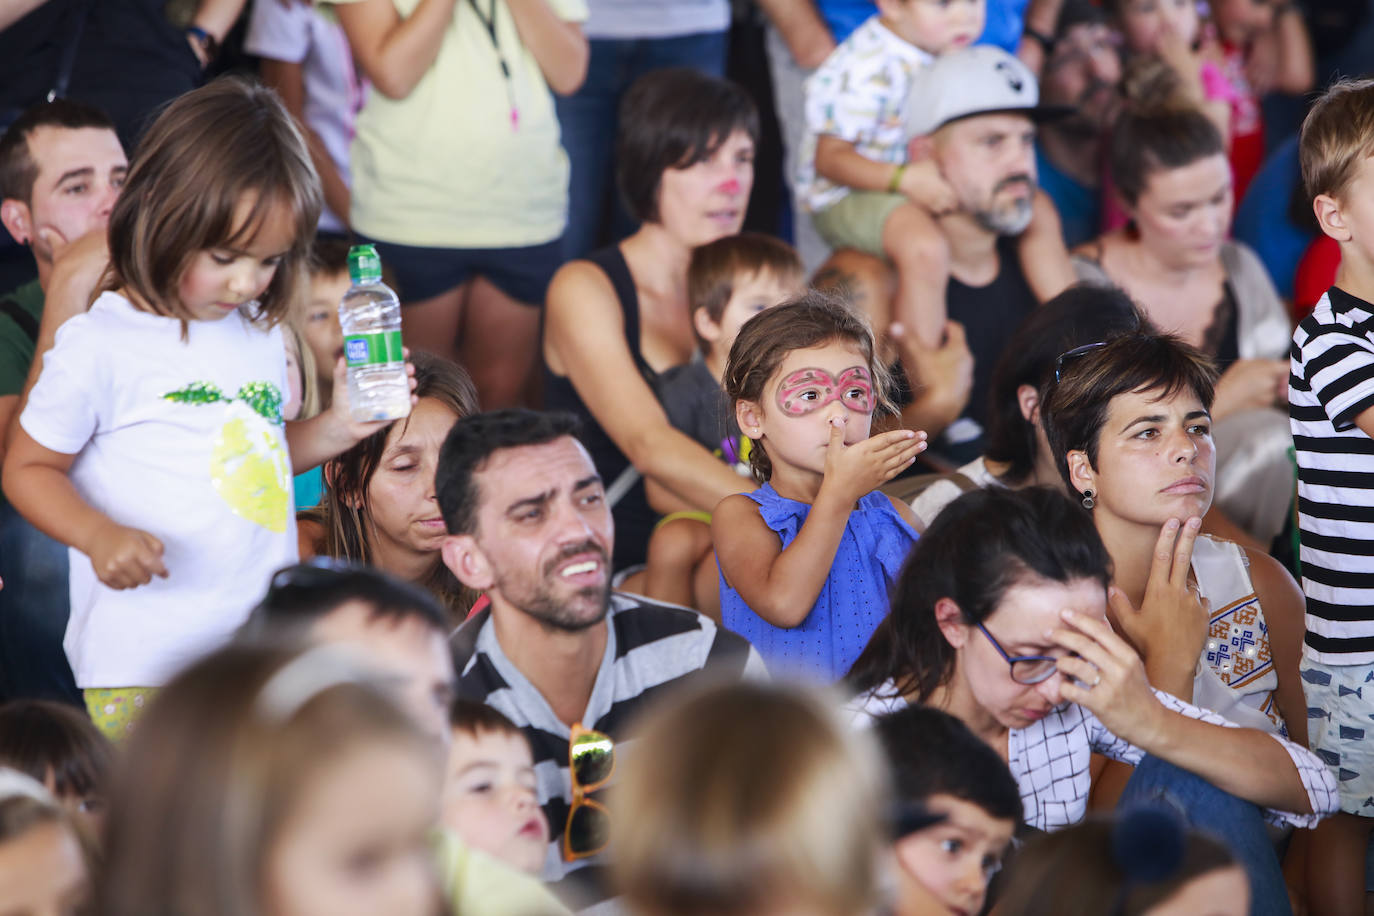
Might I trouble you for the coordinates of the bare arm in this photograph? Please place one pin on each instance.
(394, 53)
(8, 405)
(782, 585)
(313, 442)
(584, 338)
(1245, 762)
(36, 484)
(1042, 18)
(1295, 73)
(941, 377)
(11, 11)
(217, 16)
(288, 78)
(1044, 259)
(558, 46)
(1284, 613)
(802, 28)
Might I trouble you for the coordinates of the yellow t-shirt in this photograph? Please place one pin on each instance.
(475, 883)
(446, 167)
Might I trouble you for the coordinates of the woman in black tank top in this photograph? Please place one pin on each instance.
(616, 320)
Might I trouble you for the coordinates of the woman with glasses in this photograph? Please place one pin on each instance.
(1000, 618)
(1174, 260)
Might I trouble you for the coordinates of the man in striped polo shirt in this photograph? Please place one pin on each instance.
(1331, 406)
(529, 525)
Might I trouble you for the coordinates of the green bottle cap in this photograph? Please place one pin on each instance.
(364, 264)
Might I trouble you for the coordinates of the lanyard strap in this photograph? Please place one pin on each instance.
(489, 21)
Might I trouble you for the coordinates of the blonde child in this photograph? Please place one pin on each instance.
(749, 799)
(728, 282)
(271, 780)
(490, 798)
(862, 189)
(806, 559)
(153, 443)
(1331, 412)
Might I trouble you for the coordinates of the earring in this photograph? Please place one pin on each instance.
(1088, 502)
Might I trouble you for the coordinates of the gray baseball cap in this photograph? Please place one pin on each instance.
(982, 79)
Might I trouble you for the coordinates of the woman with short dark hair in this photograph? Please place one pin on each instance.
(618, 319)
(1174, 259)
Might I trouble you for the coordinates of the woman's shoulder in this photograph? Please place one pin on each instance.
(1088, 259)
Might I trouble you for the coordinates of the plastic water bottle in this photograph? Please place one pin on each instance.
(370, 315)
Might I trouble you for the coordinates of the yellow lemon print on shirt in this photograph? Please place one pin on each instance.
(248, 466)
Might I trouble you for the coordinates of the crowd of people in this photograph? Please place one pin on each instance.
(987, 531)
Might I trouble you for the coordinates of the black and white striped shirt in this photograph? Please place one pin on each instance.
(651, 649)
(1330, 383)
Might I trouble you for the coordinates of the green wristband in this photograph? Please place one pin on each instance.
(895, 182)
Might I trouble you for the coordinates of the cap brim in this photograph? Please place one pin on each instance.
(1040, 114)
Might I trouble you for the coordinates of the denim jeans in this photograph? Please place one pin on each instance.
(1233, 821)
(588, 119)
(34, 606)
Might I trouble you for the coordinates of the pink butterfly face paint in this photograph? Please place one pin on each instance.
(806, 390)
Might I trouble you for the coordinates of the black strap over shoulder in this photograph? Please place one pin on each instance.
(20, 317)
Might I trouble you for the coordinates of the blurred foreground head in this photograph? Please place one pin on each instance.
(749, 798)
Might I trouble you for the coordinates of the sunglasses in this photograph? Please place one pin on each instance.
(591, 761)
(1072, 355)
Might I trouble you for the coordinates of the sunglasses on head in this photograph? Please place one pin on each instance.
(1072, 355)
(591, 761)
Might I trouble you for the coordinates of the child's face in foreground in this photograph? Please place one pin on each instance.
(356, 840)
(42, 871)
(946, 867)
(321, 329)
(490, 800)
(226, 276)
(752, 293)
(810, 389)
(935, 26)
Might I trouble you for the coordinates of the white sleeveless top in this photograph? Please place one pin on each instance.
(1235, 676)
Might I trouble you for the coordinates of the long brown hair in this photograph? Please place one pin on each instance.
(346, 510)
(210, 149)
(810, 320)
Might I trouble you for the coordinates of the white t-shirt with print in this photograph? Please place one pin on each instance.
(182, 439)
(857, 95)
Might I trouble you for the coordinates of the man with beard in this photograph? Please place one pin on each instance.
(973, 114)
(1082, 71)
(530, 526)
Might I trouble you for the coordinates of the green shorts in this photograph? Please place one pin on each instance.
(857, 219)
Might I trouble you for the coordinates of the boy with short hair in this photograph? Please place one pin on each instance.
(957, 807)
(1331, 410)
(728, 282)
(320, 325)
(489, 788)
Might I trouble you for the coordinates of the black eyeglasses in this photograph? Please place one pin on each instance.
(1025, 669)
(1072, 355)
(313, 573)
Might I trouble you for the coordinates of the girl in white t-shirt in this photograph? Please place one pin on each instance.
(153, 443)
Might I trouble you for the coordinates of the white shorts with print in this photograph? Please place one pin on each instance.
(1340, 728)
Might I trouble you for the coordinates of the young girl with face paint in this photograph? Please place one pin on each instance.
(806, 560)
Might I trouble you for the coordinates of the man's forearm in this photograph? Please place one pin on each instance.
(802, 28)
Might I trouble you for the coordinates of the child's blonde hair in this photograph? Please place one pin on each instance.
(208, 151)
(1337, 135)
(218, 765)
(746, 795)
(810, 320)
(716, 269)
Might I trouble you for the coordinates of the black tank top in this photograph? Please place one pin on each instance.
(634, 519)
(990, 314)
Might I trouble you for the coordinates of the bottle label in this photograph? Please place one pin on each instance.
(376, 348)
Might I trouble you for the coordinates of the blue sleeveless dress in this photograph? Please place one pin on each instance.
(852, 602)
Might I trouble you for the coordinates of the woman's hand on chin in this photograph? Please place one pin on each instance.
(1250, 383)
(1105, 675)
(1171, 625)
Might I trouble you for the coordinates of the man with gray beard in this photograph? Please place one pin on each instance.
(973, 113)
(560, 654)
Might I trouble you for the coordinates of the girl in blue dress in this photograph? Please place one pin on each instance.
(807, 559)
